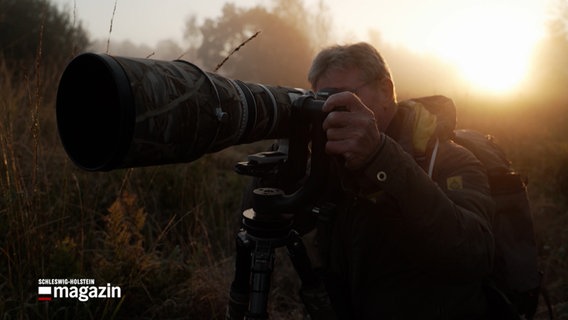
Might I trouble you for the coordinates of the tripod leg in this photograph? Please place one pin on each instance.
(239, 294)
(313, 292)
(262, 266)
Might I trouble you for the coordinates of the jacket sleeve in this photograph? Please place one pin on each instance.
(444, 222)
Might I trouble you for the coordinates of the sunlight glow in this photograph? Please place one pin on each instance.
(490, 45)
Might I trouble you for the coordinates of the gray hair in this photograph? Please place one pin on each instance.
(360, 55)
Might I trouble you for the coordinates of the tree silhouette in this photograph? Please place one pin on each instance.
(279, 55)
(26, 26)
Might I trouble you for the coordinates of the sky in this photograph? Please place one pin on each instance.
(497, 33)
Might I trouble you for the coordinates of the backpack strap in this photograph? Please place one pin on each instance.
(433, 158)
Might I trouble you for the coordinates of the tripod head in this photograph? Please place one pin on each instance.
(287, 166)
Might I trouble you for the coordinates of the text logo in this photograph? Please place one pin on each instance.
(80, 289)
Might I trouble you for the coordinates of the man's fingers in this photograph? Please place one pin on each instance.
(342, 101)
(352, 134)
(358, 121)
(336, 120)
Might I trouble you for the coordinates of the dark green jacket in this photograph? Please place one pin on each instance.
(404, 245)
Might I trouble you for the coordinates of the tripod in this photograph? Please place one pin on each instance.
(262, 233)
(269, 224)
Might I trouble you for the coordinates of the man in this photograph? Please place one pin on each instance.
(410, 237)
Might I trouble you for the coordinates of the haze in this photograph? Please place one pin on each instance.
(488, 42)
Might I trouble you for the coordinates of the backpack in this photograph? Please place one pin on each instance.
(514, 287)
(515, 284)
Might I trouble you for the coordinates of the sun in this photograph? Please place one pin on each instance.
(490, 45)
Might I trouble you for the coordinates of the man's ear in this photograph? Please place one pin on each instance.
(387, 88)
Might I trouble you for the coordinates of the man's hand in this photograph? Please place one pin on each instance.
(351, 129)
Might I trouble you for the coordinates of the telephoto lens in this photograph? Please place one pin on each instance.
(119, 112)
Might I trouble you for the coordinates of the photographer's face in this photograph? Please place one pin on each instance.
(375, 94)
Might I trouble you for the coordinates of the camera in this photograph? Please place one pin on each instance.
(118, 112)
